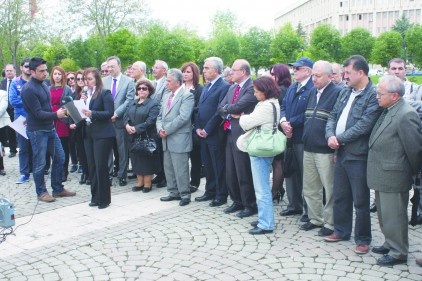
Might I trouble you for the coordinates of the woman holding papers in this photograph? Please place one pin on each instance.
(98, 137)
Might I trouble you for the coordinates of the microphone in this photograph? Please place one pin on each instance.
(85, 93)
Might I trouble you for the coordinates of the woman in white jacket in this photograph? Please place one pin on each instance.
(4, 121)
(267, 92)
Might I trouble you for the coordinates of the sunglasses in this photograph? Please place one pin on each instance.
(79, 79)
(297, 67)
(142, 89)
(71, 78)
(26, 65)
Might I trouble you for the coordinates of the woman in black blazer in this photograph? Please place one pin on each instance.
(98, 137)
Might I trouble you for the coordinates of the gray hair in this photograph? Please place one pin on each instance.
(394, 84)
(217, 63)
(328, 68)
(244, 64)
(115, 58)
(142, 65)
(163, 64)
(176, 74)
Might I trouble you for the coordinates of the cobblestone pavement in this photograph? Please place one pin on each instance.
(140, 238)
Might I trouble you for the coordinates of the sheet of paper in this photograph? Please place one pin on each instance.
(19, 126)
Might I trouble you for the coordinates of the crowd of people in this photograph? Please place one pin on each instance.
(345, 136)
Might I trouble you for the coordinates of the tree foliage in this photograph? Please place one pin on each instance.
(414, 43)
(387, 46)
(122, 43)
(325, 43)
(15, 28)
(402, 25)
(55, 53)
(286, 45)
(254, 46)
(107, 16)
(358, 41)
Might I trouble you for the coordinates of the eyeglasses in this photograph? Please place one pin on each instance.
(104, 71)
(79, 79)
(71, 78)
(142, 89)
(26, 65)
(297, 67)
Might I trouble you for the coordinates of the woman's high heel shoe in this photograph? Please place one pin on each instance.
(146, 189)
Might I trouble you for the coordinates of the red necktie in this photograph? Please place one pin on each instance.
(169, 101)
(227, 123)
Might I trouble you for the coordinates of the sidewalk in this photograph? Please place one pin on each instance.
(140, 238)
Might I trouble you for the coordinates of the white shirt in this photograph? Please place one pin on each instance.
(341, 123)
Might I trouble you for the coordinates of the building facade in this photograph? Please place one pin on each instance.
(377, 16)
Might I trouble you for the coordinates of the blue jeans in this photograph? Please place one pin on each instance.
(261, 180)
(41, 142)
(24, 150)
(351, 190)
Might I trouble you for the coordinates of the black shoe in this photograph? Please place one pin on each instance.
(193, 188)
(325, 231)
(161, 184)
(380, 250)
(184, 202)
(254, 224)
(83, 179)
(137, 188)
(286, 212)
(309, 226)
(131, 177)
(122, 182)
(373, 208)
(12, 154)
(92, 204)
(387, 260)
(170, 198)
(204, 198)
(304, 218)
(233, 208)
(247, 212)
(103, 206)
(146, 189)
(257, 231)
(216, 203)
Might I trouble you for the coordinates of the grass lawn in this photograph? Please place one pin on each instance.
(416, 79)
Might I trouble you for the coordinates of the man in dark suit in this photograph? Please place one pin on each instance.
(348, 129)
(207, 128)
(7, 132)
(159, 72)
(239, 99)
(318, 157)
(175, 130)
(395, 155)
(292, 119)
(122, 90)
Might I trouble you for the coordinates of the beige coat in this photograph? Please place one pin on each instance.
(4, 116)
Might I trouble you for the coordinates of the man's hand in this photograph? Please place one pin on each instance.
(201, 133)
(287, 129)
(130, 129)
(114, 117)
(61, 113)
(162, 134)
(333, 142)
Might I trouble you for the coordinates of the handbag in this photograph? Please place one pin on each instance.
(144, 146)
(267, 142)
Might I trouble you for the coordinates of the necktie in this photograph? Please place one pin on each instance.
(207, 88)
(169, 101)
(298, 87)
(227, 123)
(8, 84)
(381, 118)
(319, 93)
(113, 88)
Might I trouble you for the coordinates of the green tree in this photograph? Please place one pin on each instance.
(413, 40)
(15, 28)
(254, 48)
(69, 65)
(108, 16)
(325, 43)
(150, 44)
(402, 25)
(225, 45)
(286, 45)
(358, 41)
(55, 53)
(300, 30)
(387, 46)
(122, 43)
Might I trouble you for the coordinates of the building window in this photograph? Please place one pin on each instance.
(347, 17)
(341, 4)
(360, 17)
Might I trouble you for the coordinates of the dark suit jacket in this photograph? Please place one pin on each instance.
(207, 117)
(395, 150)
(245, 103)
(102, 110)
